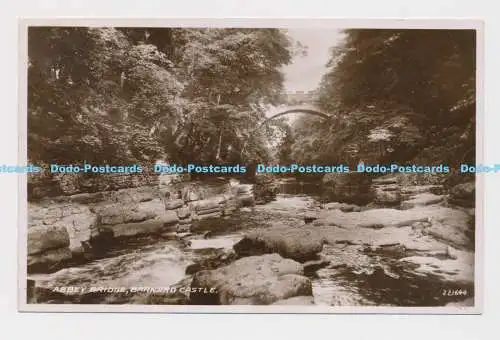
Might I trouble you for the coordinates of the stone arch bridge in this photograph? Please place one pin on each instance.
(290, 109)
(286, 110)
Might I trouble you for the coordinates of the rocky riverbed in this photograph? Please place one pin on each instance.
(414, 251)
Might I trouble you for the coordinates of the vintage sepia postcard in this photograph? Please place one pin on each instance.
(251, 166)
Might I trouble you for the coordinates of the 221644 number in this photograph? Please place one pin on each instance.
(454, 292)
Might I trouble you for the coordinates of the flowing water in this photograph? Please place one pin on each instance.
(162, 262)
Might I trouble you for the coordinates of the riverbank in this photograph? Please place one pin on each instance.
(69, 230)
(294, 250)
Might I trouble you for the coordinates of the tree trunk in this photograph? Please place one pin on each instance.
(217, 157)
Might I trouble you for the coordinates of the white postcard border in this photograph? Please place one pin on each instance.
(319, 23)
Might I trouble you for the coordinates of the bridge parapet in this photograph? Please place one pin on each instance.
(289, 109)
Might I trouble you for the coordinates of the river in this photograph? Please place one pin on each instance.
(162, 262)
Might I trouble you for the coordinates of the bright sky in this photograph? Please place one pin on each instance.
(304, 73)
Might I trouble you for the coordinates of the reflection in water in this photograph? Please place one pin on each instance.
(293, 187)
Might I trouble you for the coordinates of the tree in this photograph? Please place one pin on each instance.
(398, 96)
(132, 94)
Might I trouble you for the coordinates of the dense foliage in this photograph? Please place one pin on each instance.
(395, 96)
(197, 95)
(136, 94)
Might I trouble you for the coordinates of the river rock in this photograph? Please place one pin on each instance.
(385, 181)
(209, 216)
(79, 221)
(206, 204)
(246, 200)
(174, 204)
(463, 195)
(221, 258)
(183, 228)
(42, 238)
(243, 189)
(133, 195)
(309, 217)
(290, 242)
(341, 206)
(386, 191)
(188, 220)
(422, 200)
(385, 217)
(119, 214)
(87, 198)
(265, 189)
(49, 261)
(255, 280)
(194, 196)
(208, 211)
(169, 218)
(151, 208)
(408, 192)
(386, 198)
(153, 226)
(183, 213)
(450, 226)
(227, 211)
(81, 225)
(348, 187)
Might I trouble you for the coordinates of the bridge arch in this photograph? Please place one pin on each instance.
(288, 110)
(307, 110)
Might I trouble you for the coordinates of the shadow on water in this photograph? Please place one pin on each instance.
(296, 187)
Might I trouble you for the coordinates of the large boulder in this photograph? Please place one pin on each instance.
(420, 200)
(255, 280)
(290, 242)
(78, 220)
(46, 237)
